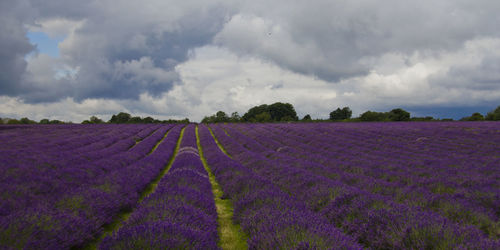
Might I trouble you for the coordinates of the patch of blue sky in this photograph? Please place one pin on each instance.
(44, 43)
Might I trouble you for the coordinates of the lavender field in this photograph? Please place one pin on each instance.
(424, 185)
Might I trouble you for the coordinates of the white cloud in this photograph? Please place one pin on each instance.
(224, 81)
(192, 58)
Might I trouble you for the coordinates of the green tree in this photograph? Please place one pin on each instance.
(282, 112)
(94, 119)
(493, 115)
(235, 117)
(421, 119)
(277, 111)
(55, 122)
(44, 121)
(25, 120)
(372, 116)
(13, 121)
(135, 119)
(251, 113)
(148, 119)
(121, 117)
(221, 116)
(263, 117)
(474, 117)
(399, 115)
(208, 119)
(307, 118)
(341, 114)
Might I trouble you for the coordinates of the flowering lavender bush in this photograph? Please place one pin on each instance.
(271, 217)
(421, 185)
(411, 185)
(59, 194)
(180, 213)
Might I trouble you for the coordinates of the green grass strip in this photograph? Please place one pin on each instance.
(140, 140)
(231, 235)
(152, 186)
(218, 143)
(158, 143)
(123, 215)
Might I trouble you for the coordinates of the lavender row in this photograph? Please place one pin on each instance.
(456, 207)
(272, 218)
(27, 181)
(73, 217)
(179, 214)
(52, 147)
(28, 184)
(374, 220)
(65, 137)
(438, 192)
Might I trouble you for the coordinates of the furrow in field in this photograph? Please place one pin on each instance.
(179, 214)
(139, 139)
(444, 195)
(231, 236)
(272, 218)
(157, 144)
(67, 216)
(54, 172)
(352, 208)
(155, 158)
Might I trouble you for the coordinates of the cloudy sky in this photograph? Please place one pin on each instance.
(70, 59)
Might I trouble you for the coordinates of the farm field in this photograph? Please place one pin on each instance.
(432, 185)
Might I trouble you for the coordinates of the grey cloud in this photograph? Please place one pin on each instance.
(332, 39)
(115, 76)
(486, 76)
(122, 51)
(118, 51)
(14, 45)
(481, 79)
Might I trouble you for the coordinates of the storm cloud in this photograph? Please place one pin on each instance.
(190, 58)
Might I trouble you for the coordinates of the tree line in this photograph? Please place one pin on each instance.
(285, 112)
(120, 118)
(276, 112)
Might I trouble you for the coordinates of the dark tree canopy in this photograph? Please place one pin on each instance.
(494, 115)
(25, 120)
(220, 116)
(235, 117)
(135, 119)
(93, 120)
(398, 115)
(14, 121)
(148, 119)
(263, 117)
(271, 113)
(44, 121)
(251, 113)
(307, 118)
(121, 117)
(395, 115)
(341, 114)
(474, 117)
(372, 116)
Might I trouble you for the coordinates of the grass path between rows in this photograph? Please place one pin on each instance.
(218, 143)
(140, 140)
(163, 138)
(123, 216)
(231, 235)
